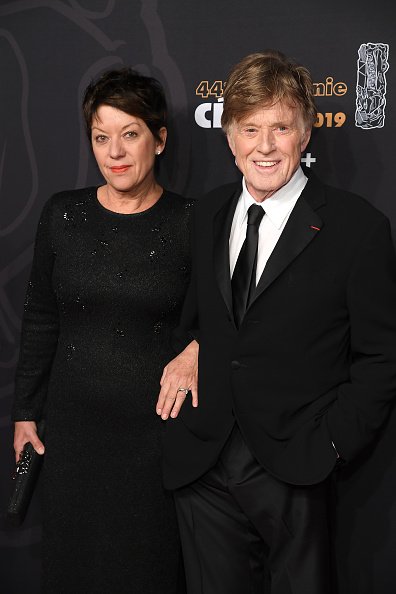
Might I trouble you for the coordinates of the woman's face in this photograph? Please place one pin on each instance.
(124, 149)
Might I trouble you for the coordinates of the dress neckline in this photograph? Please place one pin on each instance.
(126, 215)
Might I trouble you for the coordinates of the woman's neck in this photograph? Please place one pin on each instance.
(129, 202)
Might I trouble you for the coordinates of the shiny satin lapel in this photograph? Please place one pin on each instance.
(303, 225)
(221, 254)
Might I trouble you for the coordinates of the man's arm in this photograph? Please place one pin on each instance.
(363, 404)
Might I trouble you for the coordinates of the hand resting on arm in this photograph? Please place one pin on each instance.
(181, 372)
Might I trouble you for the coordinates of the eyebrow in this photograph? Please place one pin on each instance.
(123, 128)
(276, 123)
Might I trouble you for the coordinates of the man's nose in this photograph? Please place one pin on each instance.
(266, 141)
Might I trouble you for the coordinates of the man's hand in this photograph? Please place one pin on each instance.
(180, 375)
(26, 431)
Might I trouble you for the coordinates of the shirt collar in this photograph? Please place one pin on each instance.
(280, 204)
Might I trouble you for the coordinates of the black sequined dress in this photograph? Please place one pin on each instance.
(104, 295)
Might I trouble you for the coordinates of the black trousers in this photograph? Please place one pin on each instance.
(245, 532)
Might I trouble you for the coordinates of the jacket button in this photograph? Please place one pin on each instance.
(235, 365)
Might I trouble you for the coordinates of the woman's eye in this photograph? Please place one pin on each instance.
(100, 138)
(130, 134)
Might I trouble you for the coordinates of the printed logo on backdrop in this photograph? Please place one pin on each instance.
(372, 64)
(208, 113)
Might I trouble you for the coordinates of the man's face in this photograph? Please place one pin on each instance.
(267, 146)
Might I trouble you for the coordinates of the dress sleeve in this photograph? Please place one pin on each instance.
(40, 325)
(188, 327)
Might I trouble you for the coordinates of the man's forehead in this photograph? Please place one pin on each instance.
(280, 110)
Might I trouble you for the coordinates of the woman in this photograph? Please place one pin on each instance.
(110, 270)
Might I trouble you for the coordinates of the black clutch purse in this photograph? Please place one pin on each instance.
(25, 479)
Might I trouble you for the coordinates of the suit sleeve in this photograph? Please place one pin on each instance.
(39, 329)
(363, 404)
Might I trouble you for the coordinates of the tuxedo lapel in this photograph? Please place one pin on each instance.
(303, 225)
(221, 254)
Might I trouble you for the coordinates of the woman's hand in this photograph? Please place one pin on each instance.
(180, 375)
(26, 431)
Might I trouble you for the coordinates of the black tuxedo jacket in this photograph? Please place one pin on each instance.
(314, 360)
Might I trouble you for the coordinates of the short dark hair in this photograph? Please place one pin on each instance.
(129, 91)
(263, 79)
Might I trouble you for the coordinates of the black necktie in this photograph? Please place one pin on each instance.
(244, 278)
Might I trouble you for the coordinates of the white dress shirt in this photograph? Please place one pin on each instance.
(277, 210)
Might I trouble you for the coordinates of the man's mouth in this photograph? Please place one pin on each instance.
(266, 164)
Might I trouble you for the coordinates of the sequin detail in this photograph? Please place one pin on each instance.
(28, 294)
(78, 300)
(24, 462)
(70, 350)
(108, 312)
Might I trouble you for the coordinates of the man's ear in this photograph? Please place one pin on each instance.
(305, 139)
(231, 143)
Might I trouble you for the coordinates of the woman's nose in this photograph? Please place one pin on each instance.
(116, 149)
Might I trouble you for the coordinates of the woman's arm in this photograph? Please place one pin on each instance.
(180, 376)
(26, 431)
(39, 338)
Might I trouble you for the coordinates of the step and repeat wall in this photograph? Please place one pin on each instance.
(51, 49)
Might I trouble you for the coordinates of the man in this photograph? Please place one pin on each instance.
(293, 305)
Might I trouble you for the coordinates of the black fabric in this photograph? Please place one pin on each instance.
(256, 528)
(25, 480)
(315, 356)
(244, 277)
(104, 295)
